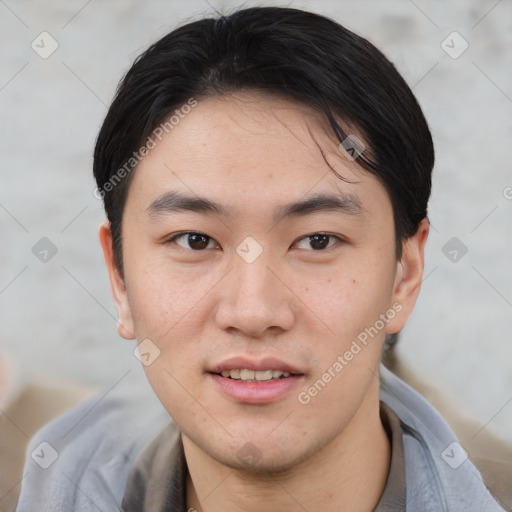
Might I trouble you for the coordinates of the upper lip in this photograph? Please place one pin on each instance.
(243, 363)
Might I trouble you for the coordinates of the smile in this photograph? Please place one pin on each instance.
(255, 376)
(256, 386)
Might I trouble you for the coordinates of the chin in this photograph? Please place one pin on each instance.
(263, 456)
(267, 465)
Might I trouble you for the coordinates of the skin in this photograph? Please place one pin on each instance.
(251, 153)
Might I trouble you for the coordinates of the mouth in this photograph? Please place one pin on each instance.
(255, 382)
(246, 375)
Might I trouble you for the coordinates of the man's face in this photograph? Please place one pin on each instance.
(252, 288)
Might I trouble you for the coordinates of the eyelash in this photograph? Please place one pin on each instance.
(178, 235)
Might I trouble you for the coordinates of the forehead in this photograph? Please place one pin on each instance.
(248, 147)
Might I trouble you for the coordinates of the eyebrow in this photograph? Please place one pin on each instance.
(174, 202)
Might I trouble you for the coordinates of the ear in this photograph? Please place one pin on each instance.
(409, 274)
(125, 326)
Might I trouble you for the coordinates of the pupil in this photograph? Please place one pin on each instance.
(194, 243)
(315, 240)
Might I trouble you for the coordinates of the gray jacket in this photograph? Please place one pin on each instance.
(81, 461)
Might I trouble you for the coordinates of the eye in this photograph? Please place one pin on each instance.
(195, 241)
(319, 241)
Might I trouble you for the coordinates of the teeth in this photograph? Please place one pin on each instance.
(263, 375)
(254, 376)
(247, 374)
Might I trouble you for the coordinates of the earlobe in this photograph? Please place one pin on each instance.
(125, 326)
(409, 274)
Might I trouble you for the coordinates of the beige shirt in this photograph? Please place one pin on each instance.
(157, 482)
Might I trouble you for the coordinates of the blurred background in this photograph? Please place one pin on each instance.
(60, 65)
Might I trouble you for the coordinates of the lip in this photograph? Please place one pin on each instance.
(243, 363)
(255, 392)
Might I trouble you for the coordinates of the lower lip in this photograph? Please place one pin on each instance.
(256, 392)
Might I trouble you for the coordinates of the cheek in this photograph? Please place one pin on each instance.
(169, 308)
(348, 300)
(163, 300)
(350, 303)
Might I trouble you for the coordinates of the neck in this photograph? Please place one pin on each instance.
(348, 474)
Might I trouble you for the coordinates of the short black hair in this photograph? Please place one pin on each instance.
(298, 55)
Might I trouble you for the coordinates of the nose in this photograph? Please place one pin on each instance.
(256, 300)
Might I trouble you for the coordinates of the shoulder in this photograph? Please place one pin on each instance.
(439, 474)
(81, 460)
